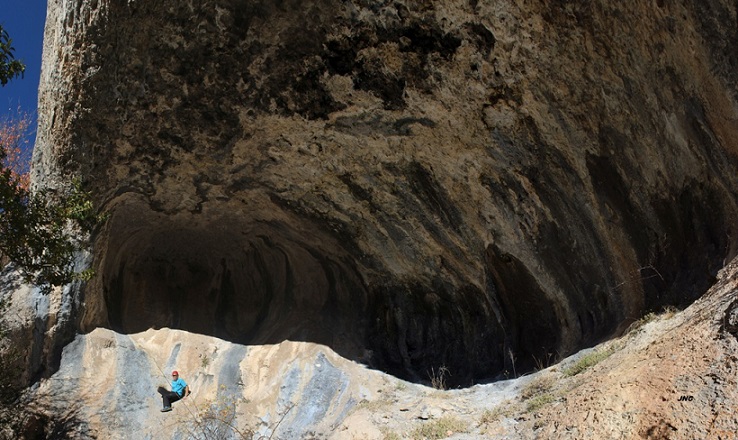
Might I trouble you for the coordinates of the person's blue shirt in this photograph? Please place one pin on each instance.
(178, 386)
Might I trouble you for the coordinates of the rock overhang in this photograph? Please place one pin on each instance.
(490, 197)
(267, 275)
(238, 277)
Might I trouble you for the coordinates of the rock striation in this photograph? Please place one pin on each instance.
(672, 375)
(416, 184)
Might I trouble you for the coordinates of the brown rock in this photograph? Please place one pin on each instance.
(469, 185)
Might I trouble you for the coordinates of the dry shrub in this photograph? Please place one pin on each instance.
(14, 149)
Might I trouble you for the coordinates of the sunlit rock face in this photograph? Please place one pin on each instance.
(471, 185)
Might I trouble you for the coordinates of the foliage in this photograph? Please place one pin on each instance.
(503, 410)
(217, 420)
(538, 392)
(204, 362)
(440, 428)
(17, 155)
(538, 402)
(9, 66)
(38, 231)
(587, 361)
(538, 386)
(490, 416)
(438, 378)
(545, 362)
(666, 313)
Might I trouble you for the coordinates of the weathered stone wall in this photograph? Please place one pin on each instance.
(417, 184)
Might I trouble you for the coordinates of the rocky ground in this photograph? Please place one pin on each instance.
(671, 375)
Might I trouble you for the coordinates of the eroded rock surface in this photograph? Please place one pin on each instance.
(417, 185)
(283, 391)
(672, 376)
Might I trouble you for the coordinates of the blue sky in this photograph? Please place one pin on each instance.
(24, 20)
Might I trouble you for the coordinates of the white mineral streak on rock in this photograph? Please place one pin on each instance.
(265, 388)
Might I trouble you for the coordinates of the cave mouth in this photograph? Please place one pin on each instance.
(263, 276)
(233, 277)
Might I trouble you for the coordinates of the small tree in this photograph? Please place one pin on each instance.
(38, 230)
(9, 67)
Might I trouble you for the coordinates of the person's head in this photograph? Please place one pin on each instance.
(175, 375)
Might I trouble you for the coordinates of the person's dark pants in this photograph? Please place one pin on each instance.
(168, 397)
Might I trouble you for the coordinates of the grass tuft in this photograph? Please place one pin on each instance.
(537, 386)
(440, 428)
(666, 313)
(587, 361)
(538, 402)
(503, 410)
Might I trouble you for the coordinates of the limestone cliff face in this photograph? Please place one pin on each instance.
(415, 183)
